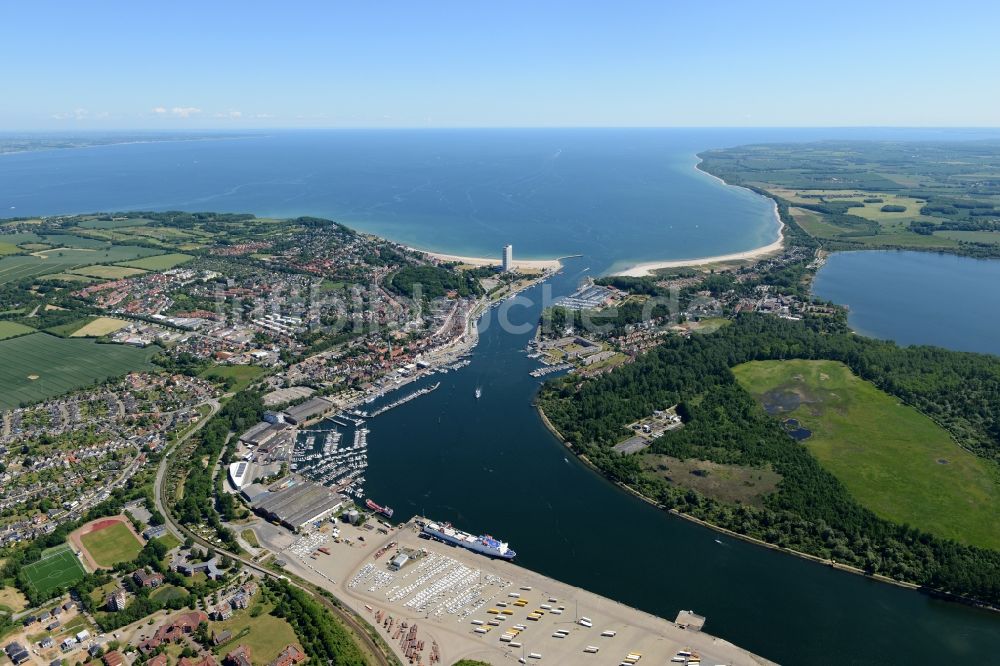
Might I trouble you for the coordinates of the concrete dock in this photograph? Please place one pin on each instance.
(467, 606)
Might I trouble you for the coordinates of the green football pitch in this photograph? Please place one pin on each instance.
(58, 568)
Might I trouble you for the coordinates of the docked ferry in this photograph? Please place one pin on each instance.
(384, 510)
(483, 544)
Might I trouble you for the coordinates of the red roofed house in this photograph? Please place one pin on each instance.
(290, 656)
(170, 632)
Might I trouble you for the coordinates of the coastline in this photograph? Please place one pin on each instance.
(846, 568)
(536, 264)
(647, 268)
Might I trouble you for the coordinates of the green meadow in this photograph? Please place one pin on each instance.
(892, 459)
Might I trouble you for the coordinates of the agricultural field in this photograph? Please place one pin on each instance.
(41, 366)
(11, 329)
(64, 260)
(8, 248)
(58, 568)
(989, 237)
(110, 544)
(99, 327)
(68, 329)
(160, 262)
(242, 375)
(892, 459)
(872, 194)
(71, 277)
(74, 241)
(107, 272)
(113, 224)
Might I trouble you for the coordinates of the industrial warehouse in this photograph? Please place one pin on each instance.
(295, 505)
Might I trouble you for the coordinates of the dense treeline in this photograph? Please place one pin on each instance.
(200, 504)
(322, 637)
(433, 281)
(811, 511)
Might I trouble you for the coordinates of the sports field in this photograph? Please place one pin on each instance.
(110, 542)
(893, 459)
(58, 568)
(40, 366)
(11, 329)
(160, 262)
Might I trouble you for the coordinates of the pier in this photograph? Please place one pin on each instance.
(402, 401)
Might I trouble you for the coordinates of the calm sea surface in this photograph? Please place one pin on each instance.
(615, 197)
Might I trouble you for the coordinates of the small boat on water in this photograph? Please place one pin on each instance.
(479, 392)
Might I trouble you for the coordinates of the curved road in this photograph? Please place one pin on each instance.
(356, 625)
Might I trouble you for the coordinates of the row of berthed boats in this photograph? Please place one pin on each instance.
(340, 468)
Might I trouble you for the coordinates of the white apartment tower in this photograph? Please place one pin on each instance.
(507, 260)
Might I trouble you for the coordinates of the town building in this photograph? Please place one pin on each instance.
(117, 601)
(290, 656)
(239, 657)
(146, 579)
(507, 259)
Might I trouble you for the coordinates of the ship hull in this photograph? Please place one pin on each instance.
(475, 547)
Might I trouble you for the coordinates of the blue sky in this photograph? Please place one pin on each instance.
(215, 64)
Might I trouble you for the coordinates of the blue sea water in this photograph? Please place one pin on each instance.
(615, 196)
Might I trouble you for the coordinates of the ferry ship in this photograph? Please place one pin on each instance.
(483, 544)
(384, 510)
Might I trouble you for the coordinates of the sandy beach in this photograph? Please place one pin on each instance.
(537, 264)
(646, 268)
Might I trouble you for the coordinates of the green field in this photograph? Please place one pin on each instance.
(265, 635)
(8, 248)
(990, 237)
(111, 545)
(40, 366)
(113, 224)
(63, 260)
(158, 263)
(69, 328)
(58, 568)
(107, 272)
(893, 459)
(10, 329)
(242, 374)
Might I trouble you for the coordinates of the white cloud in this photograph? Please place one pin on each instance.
(235, 115)
(159, 110)
(185, 111)
(75, 114)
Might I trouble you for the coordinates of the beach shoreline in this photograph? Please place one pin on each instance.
(646, 268)
(537, 264)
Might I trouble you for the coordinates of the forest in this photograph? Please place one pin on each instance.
(200, 504)
(811, 511)
(432, 282)
(322, 637)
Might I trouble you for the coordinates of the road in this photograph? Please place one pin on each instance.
(354, 624)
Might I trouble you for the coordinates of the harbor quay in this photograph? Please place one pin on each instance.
(434, 603)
